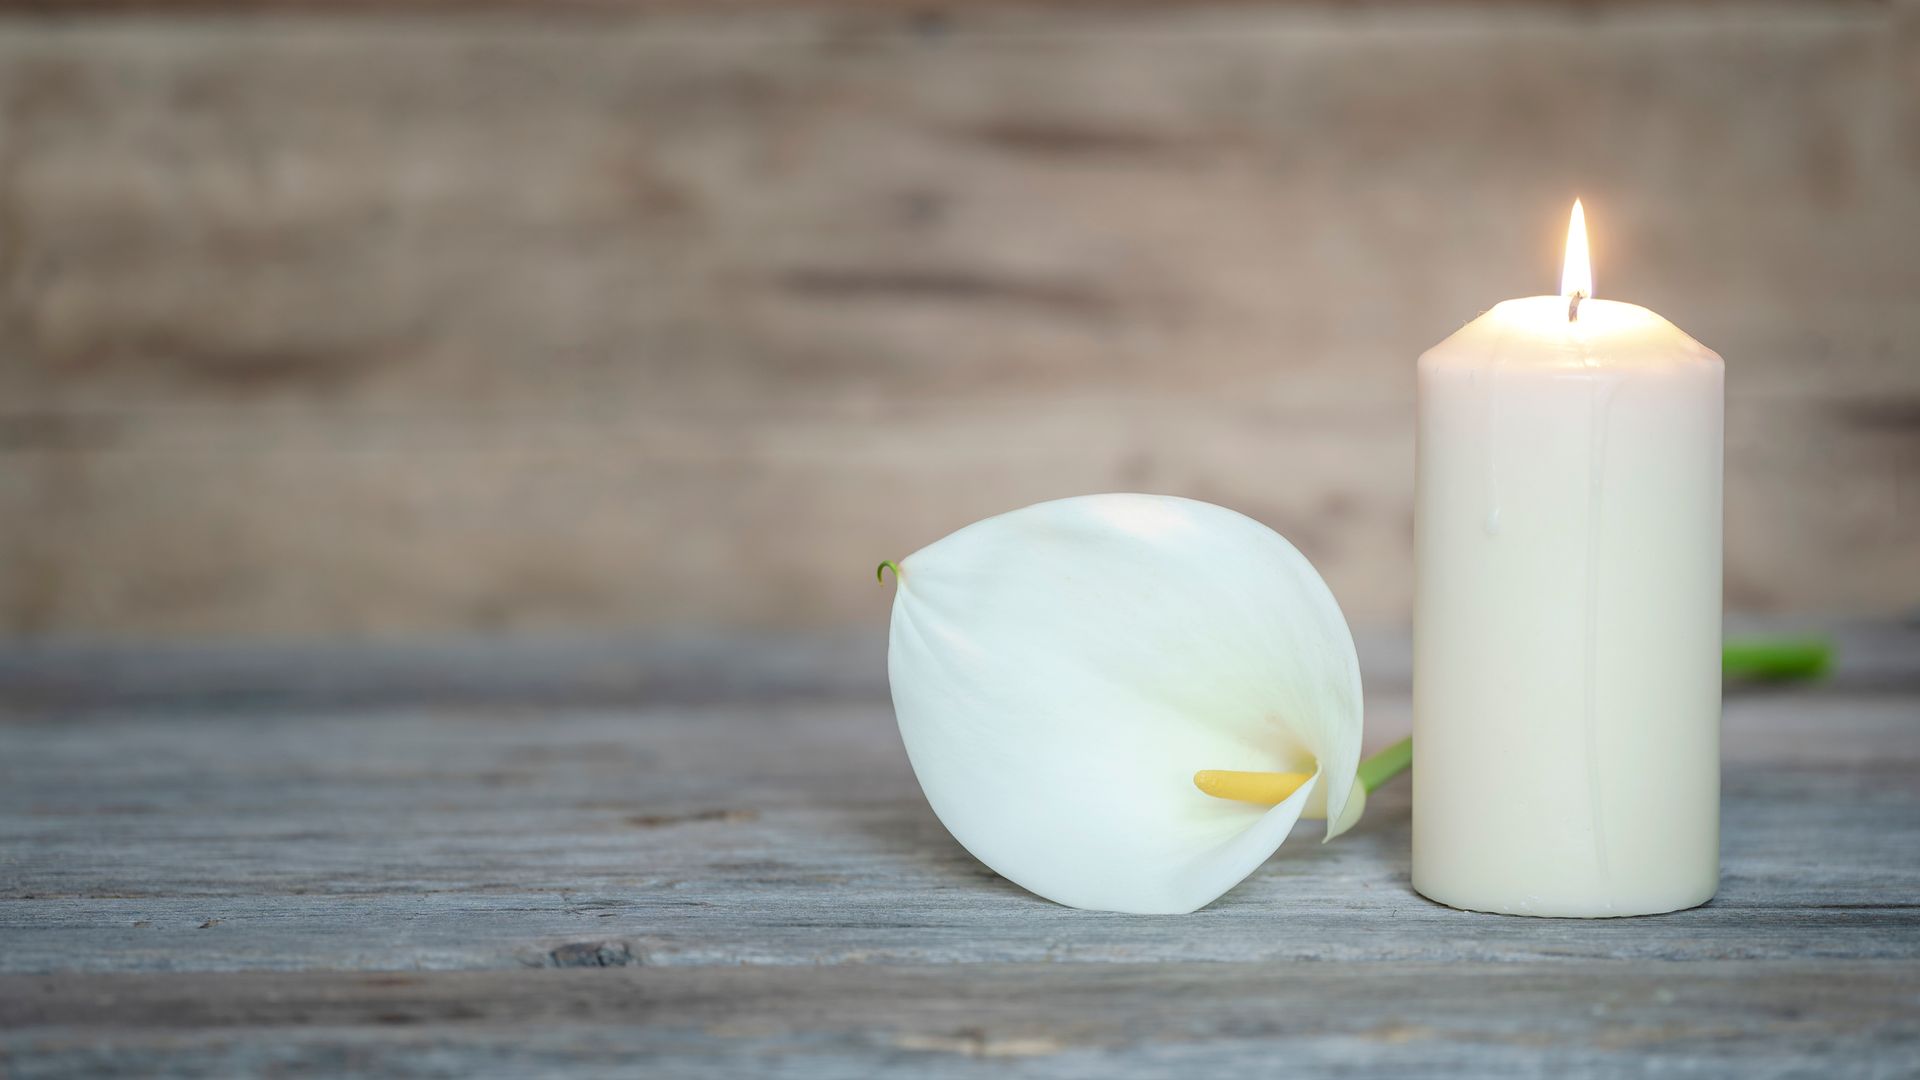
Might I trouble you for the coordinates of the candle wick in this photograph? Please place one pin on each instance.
(1573, 306)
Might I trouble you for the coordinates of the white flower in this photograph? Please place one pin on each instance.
(1061, 672)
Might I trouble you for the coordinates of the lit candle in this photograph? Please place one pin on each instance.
(1567, 628)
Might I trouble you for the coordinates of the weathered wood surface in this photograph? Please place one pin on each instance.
(197, 875)
(918, 8)
(1467, 1020)
(348, 326)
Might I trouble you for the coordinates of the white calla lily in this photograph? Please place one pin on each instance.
(1061, 673)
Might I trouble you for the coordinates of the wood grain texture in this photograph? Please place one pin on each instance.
(1468, 1020)
(369, 326)
(917, 8)
(520, 880)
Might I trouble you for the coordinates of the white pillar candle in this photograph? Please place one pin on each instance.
(1567, 627)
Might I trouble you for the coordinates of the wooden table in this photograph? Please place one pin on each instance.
(710, 859)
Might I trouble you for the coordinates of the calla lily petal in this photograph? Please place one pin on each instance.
(1061, 672)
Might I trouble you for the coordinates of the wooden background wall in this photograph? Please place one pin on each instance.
(387, 320)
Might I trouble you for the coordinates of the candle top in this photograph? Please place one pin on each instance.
(1534, 332)
(1572, 331)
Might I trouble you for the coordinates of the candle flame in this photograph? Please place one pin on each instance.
(1576, 276)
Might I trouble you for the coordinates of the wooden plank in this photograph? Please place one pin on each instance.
(510, 883)
(369, 326)
(1869, 657)
(522, 833)
(1467, 1020)
(577, 671)
(577, 8)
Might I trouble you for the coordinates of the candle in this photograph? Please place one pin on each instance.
(1567, 626)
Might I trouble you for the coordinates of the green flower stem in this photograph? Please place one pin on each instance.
(1803, 658)
(880, 572)
(1386, 765)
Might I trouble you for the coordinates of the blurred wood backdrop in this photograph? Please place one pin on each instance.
(445, 318)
